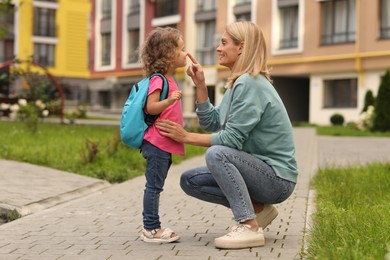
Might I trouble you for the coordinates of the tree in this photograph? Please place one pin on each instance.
(369, 100)
(7, 9)
(382, 107)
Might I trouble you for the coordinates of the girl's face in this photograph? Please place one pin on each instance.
(181, 55)
(227, 51)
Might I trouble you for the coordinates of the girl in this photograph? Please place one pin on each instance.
(163, 52)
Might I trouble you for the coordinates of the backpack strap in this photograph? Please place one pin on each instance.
(149, 119)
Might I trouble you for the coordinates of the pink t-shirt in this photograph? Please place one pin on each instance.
(172, 113)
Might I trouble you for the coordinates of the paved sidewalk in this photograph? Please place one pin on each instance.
(106, 223)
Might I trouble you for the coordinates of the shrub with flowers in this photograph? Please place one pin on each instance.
(366, 119)
(29, 112)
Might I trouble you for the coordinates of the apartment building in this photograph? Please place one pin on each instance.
(118, 30)
(324, 55)
(55, 35)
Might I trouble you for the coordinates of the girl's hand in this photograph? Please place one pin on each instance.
(172, 130)
(176, 95)
(196, 73)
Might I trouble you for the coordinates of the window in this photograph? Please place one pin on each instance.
(8, 49)
(134, 7)
(211, 94)
(338, 21)
(242, 10)
(206, 43)
(288, 13)
(243, 17)
(340, 93)
(44, 54)
(385, 19)
(205, 5)
(106, 9)
(167, 7)
(106, 48)
(133, 39)
(44, 22)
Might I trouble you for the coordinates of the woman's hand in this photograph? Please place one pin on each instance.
(196, 73)
(172, 130)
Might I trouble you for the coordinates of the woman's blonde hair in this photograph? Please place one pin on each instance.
(159, 50)
(253, 58)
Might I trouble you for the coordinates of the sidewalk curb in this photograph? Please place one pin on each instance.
(55, 200)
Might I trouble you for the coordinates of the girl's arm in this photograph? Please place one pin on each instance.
(153, 104)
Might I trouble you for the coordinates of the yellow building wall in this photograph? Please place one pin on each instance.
(25, 30)
(71, 51)
(72, 30)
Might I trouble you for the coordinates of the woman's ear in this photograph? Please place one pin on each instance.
(241, 47)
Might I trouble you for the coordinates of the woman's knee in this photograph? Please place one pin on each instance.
(185, 183)
(214, 153)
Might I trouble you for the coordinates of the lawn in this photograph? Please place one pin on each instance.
(94, 151)
(348, 131)
(352, 219)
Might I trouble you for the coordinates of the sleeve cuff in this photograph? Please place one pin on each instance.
(214, 139)
(203, 106)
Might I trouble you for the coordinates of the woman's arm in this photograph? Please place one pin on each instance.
(195, 71)
(179, 134)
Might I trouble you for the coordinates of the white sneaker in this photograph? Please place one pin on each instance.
(267, 215)
(240, 236)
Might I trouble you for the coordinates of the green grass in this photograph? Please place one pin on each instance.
(62, 147)
(352, 219)
(348, 131)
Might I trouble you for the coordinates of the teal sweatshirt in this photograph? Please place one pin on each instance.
(252, 118)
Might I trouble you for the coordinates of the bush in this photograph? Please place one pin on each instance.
(337, 119)
(382, 108)
(369, 100)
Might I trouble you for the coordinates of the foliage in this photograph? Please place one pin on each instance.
(89, 151)
(59, 146)
(352, 209)
(28, 112)
(337, 119)
(35, 85)
(369, 100)
(349, 130)
(7, 9)
(366, 119)
(382, 108)
(80, 112)
(35, 93)
(9, 215)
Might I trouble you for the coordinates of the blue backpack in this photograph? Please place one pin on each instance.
(134, 121)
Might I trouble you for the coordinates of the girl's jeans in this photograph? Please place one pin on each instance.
(157, 166)
(234, 178)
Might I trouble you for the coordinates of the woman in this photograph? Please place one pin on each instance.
(251, 156)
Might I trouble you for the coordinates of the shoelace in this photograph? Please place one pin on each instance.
(236, 229)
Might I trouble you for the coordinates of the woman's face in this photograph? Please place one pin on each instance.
(227, 51)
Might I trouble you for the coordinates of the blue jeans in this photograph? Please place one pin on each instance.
(234, 178)
(158, 163)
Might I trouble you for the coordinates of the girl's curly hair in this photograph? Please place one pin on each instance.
(159, 50)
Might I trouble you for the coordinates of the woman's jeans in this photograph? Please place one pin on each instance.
(157, 166)
(234, 178)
